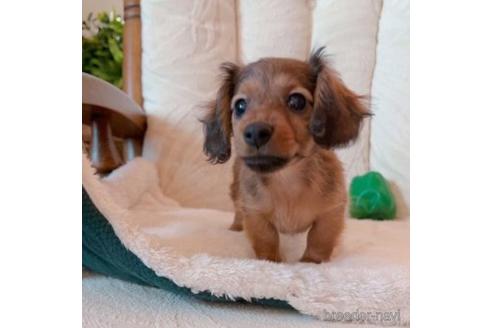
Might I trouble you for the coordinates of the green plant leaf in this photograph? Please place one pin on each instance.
(116, 51)
(102, 51)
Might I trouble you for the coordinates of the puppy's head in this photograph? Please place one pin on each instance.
(278, 110)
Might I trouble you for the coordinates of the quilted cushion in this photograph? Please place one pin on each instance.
(183, 44)
(185, 41)
(390, 126)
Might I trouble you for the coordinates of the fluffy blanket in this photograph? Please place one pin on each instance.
(369, 272)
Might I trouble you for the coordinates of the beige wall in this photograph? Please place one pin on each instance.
(96, 6)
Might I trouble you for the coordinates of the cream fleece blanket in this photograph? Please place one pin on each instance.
(369, 272)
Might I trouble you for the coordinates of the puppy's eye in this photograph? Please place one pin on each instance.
(240, 107)
(296, 102)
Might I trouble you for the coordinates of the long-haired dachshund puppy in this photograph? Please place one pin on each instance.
(286, 117)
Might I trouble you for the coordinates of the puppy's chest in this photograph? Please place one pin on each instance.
(292, 204)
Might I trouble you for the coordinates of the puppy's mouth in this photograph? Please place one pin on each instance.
(265, 164)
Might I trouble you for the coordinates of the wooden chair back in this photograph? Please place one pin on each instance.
(115, 125)
(132, 50)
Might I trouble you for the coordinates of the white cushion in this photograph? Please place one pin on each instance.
(390, 128)
(276, 28)
(348, 29)
(185, 41)
(183, 44)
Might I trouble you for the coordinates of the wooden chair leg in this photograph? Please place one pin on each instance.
(103, 152)
(131, 148)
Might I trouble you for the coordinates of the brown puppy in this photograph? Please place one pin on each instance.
(286, 117)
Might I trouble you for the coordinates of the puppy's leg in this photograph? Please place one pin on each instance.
(264, 237)
(237, 224)
(323, 236)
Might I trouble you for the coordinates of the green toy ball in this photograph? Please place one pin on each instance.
(371, 198)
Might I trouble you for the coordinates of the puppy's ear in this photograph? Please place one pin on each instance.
(337, 111)
(217, 122)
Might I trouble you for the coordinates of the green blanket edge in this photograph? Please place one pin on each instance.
(103, 252)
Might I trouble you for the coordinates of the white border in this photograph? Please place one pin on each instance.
(451, 69)
(40, 175)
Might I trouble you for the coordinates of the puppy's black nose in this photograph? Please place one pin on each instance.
(257, 134)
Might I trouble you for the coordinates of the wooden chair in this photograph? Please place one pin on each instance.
(114, 121)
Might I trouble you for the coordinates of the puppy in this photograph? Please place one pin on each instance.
(286, 117)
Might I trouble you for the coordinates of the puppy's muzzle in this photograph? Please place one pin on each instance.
(258, 134)
(265, 164)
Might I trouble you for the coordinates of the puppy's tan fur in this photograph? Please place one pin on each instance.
(309, 191)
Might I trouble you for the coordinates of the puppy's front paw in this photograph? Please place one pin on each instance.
(273, 257)
(236, 226)
(307, 258)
